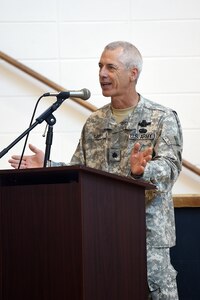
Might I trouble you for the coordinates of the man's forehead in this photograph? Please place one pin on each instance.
(111, 56)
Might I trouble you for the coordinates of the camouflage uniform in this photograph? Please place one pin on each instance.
(106, 145)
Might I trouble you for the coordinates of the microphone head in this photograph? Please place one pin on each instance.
(83, 94)
(86, 94)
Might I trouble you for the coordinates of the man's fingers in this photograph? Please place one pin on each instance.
(148, 151)
(148, 158)
(34, 149)
(136, 148)
(15, 157)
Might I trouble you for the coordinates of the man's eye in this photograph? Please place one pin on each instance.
(112, 67)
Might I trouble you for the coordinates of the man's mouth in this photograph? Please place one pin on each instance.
(105, 84)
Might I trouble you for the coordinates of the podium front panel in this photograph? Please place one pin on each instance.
(71, 233)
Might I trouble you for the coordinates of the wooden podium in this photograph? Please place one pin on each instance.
(71, 233)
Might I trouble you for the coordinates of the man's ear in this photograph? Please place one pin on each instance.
(134, 74)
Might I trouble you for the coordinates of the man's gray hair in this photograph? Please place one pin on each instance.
(130, 57)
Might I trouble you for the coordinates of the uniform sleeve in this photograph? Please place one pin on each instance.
(165, 166)
(78, 156)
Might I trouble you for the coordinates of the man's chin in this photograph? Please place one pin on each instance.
(106, 93)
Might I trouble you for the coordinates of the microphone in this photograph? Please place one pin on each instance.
(83, 94)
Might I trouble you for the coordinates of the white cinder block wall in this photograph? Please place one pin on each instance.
(63, 39)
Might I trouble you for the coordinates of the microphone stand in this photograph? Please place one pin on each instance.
(50, 119)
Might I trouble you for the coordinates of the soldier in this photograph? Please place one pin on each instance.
(135, 137)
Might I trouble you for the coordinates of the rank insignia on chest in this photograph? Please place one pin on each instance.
(114, 154)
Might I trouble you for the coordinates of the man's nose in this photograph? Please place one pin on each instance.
(103, 72)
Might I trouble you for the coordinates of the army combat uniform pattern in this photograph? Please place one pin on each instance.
(106, 145)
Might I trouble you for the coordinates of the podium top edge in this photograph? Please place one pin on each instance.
(13, 175)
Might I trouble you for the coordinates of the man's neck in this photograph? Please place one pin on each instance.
(122, 103)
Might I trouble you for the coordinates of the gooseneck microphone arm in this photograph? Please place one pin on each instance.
(49, 118)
